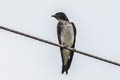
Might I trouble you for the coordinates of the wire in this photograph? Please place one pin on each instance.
(59, 45)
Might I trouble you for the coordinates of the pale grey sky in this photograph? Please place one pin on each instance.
(98, 33)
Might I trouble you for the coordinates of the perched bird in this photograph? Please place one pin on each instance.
(66, 32)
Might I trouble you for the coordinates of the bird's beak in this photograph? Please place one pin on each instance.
(53, 16)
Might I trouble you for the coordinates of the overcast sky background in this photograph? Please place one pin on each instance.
(98, 33)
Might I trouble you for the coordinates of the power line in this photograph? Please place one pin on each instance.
(59, 45)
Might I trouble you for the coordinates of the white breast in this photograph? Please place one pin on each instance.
(67, 34)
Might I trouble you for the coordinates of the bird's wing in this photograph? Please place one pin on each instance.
(74, 28)
(59, 34)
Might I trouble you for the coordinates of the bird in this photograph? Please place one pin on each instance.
(66, 32)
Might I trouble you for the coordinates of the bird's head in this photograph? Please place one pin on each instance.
(60, 16)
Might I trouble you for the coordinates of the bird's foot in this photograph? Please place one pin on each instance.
(64, 46)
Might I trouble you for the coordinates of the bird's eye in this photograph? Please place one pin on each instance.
(57, 14)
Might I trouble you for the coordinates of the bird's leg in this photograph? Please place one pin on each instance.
(64, 46)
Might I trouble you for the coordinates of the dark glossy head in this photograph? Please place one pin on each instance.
(60, 16)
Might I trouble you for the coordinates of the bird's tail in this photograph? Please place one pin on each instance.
(64, 69)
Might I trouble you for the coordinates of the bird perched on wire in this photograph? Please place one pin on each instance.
(66, 32)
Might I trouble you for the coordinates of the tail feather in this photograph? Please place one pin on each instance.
(64, 69)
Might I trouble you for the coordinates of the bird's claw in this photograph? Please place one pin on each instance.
(64, 46)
